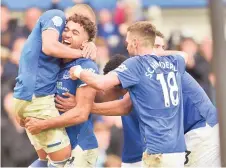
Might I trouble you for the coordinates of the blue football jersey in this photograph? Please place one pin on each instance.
(81, 134)
(198, 109)
(37, 71)
(155, 89)
(132, 147)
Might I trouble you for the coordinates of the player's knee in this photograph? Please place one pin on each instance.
(41, 154)
(39, 163)
(61, 155)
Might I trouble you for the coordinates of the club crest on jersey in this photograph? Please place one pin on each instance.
(149, 73)
(66, 75)
(121, 68)
(57, 21)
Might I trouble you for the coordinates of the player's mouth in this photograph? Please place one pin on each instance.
(66, 42)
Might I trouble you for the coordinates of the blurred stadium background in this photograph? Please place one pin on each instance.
(185, 24)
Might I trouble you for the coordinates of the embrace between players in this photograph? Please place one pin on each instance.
(168, 120)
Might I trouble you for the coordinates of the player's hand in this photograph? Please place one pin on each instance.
(65, 104)
(89, 50)
(33, 125)
(75, 72)
(20, 121)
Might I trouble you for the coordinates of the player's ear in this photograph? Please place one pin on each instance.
(135, 43)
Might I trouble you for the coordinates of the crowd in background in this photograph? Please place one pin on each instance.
(112, 26)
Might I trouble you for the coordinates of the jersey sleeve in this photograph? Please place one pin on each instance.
(181, 63)
(89, 66)
(129, 72)
(53, 19)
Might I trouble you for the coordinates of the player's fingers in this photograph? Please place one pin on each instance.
(68, 95)
(59, 106)
(94, 56)
(59, 100)
(22, 123)
(85, 51)
(62, 110)
(62, 99)
(90, 52)
(32, 131)
(27, 119)
(84, 44)
(27, 126)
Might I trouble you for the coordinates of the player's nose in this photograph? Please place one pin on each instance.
(68, 34)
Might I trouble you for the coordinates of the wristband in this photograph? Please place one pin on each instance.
(78, 71)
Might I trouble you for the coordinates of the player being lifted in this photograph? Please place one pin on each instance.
(160, 117)
(36, 82)
(200, 119)
(83, 141)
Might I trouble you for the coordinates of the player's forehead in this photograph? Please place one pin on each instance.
(73, 26)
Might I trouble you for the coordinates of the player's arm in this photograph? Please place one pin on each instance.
(52, 47)
(52, 24)
(109, 95)
(113, 108)
(84, 97)
(98, 82)
(174, 52)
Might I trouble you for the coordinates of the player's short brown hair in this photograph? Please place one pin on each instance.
(145, 30)
(86, 23)
(158, 33)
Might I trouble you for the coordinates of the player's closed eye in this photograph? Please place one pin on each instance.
(157, 46)
(75, 33)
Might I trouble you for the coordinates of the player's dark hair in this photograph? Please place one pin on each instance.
(86, 23)
(114, 62)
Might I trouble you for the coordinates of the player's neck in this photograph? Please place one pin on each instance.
(145, 51)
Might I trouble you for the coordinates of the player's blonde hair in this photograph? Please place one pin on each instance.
(82, 9)
(145, 31)
(158, 33)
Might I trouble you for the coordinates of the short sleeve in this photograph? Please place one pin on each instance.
(181, 63)
(89, 66)
(129, 72)
(53, 19)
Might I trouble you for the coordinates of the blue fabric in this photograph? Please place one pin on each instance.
(81, 134)
(198, 109)
(160, 112)
(39, 163)
(132, 147)
(38, 72)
